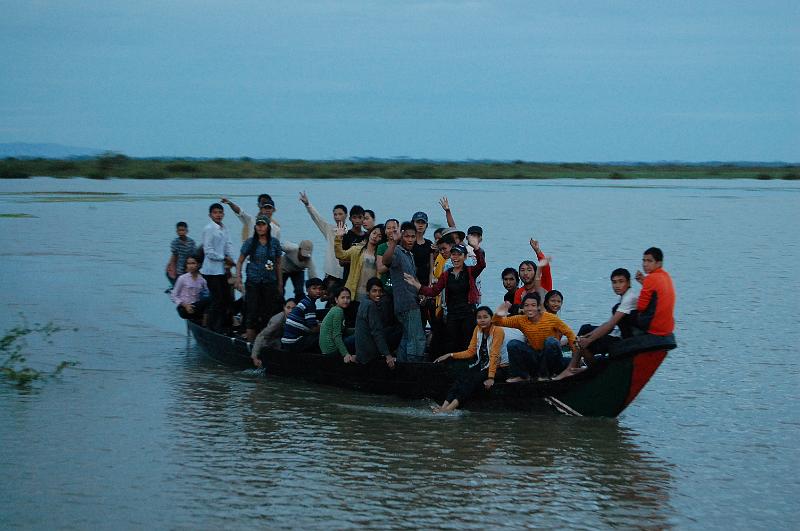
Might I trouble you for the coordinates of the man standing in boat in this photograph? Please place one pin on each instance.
(657, 299)
(218, 251)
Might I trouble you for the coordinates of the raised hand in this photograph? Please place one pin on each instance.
(474, 240)
(534, 245)
(304, 198)
(341, 230)
(444, 203)
(503, 309)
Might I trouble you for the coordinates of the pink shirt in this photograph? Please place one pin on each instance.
(187, 289)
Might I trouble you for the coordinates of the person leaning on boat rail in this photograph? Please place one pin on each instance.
(266, 207)
(301, 333)
(541, 356)
(296, 260)
(270, 336)
(188, 293)
(264, 286)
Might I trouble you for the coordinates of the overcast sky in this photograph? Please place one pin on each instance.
(547, 81)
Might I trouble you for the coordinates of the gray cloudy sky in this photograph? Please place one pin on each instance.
(550, 81)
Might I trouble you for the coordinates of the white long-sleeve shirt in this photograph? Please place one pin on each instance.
(328, 230)
(216, 246)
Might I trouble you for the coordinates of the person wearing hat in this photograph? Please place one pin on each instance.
(297, 259)
(462, 295)
(266, 207)
(264, 285)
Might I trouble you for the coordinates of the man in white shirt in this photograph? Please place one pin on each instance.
(599, 339)
(218, 251)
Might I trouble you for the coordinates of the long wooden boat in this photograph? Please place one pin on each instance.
(603, 390)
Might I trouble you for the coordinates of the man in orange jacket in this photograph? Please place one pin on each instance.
(657, 297)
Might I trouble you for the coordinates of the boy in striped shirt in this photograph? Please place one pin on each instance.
(301, 333)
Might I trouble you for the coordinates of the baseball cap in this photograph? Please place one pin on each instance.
(306, 246)
(420, 216)
(262, 219)
(460, 248)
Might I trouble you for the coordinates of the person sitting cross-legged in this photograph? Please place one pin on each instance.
(542, 354)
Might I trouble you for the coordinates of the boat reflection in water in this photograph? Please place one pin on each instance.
(292, 454)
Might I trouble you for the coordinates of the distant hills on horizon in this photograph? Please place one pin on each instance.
(23, 150)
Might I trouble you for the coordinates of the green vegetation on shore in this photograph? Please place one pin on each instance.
(120, 166)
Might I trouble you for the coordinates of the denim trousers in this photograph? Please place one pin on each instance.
(412, 345)
(525, 361)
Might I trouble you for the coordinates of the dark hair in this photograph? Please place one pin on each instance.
(264, 197)
(656, 253)
(391, 219)
(181, 224)
(437, 232)
(338, 291)
(621, 272)
(484, 309)
(314, 282)
(374, 281)
(534, 296)
(341, 207)
(370, 212)
(382, 228)
(215, 206)
(550, 294)
(254, 240)
(356, 210)
(529, 262)
(510, 271)
(290, 299)
(407, 225)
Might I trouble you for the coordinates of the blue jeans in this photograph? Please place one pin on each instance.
(525, 361)
(412, 345)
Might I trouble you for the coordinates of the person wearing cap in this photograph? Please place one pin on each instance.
(333, 268)
(266, 207)
(461, 291)
(264, 285)
(297, 259)
(400, 261)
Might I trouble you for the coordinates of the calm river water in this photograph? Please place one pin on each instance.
(146, 433)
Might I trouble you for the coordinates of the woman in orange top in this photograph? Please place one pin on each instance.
(484, 349)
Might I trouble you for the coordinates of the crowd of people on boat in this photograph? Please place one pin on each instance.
(387, 293)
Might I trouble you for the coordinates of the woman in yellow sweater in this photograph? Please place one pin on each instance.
(361, 257)
(484, 350)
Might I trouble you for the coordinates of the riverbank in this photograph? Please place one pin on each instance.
(121, 166)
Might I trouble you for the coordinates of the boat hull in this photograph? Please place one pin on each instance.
(603, 390)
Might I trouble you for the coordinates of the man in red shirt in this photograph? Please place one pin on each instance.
(657, 298)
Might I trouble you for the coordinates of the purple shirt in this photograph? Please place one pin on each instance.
(187, 289)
